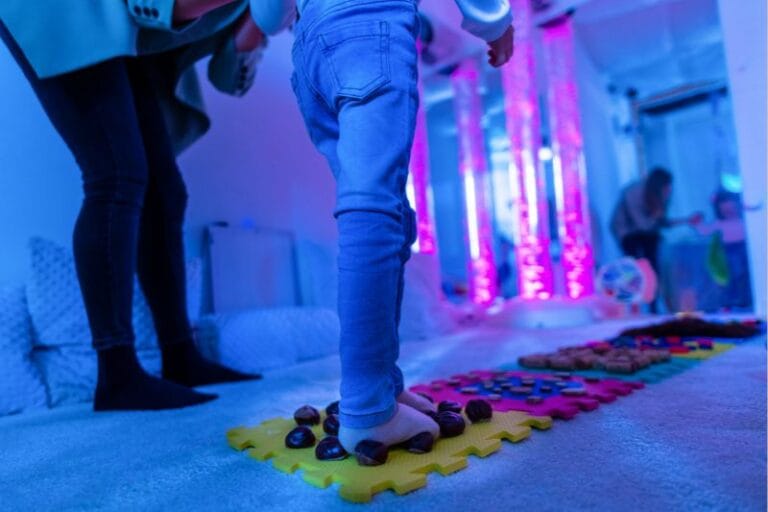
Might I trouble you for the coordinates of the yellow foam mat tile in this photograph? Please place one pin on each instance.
(404, 472)
(717, 349)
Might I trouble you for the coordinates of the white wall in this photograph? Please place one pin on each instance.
(603, 173)
(744, 32)
(256, 165)
(685, 142)
(39, 180)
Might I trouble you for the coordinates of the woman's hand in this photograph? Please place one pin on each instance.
(248, 36)
(502, 49)
(186, 10)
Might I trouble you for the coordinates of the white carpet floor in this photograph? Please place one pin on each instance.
(696, 441)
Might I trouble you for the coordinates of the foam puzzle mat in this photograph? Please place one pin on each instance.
(560, 395)
(688, 348)
(404, 472)
(716, 350)
(650, 375)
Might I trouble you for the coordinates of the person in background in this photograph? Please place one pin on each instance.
(117, 81)
(642, 213)
(729, 236)
(355, 74)
(505, 271)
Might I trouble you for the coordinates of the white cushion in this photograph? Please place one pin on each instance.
(252, 268)
(70, 371)
(262, 339)
(56, 304)
(426, 313)
(62, 338)
(21, 387)
(318, 274)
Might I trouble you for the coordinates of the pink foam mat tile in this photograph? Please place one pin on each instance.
(515, 391)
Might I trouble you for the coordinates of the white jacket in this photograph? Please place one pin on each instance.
(486, 19)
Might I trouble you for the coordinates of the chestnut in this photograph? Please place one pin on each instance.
(420, 443)
(300, 437)
(331, 425)
(451, 424)
(579, 391)
(478, 410)
(329, 448)
(371, 453)
(333, 408)
(306, 415)
(447, 405)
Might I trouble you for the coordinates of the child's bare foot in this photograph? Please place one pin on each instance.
(405, 424)
(418, 402)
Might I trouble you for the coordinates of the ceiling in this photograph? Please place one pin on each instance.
(653, 45)
(648, 45)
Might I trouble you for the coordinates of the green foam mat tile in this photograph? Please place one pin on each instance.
(655, 373)
(699, 354)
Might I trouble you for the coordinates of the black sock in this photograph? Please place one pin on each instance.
(124, 385)
(183, 363)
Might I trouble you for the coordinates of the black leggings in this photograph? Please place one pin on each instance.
(643, 245)
(133, 211)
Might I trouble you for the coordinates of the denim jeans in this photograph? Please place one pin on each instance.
(134, 196)
(355, 82)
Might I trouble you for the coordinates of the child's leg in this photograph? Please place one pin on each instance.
(356, 83)
(402, 395)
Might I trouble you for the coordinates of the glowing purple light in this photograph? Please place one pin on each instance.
(568, 159)
(483, 287)
(418, 185)
(529, 197)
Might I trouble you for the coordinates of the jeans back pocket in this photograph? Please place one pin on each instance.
(357, 56)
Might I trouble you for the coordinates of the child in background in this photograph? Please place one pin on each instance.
(355, 81)
(730, 237)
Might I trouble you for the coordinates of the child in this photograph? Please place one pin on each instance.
(731, 235)
(355, 82)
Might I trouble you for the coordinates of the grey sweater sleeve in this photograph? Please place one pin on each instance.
(486, 19)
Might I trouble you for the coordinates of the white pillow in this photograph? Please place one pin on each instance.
(62, 338)
(20, 385)
(318, 274)
(56, 304)
(426, 313)
(70, 371)
(263, 339)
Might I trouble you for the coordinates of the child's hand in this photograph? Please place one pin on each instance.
(502, 49)
(696, 219)
(248, 36)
